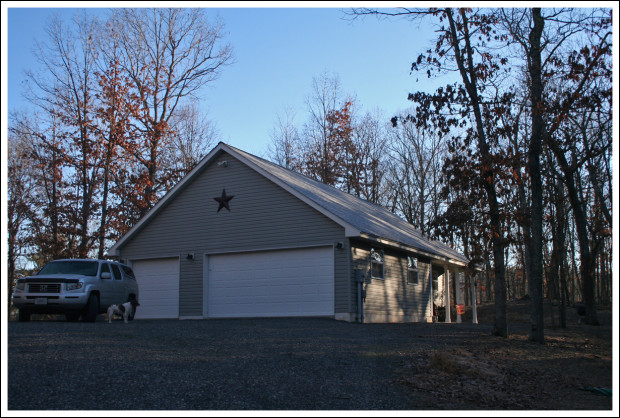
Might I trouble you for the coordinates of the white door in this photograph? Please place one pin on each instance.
(158, 282)
(272, 283)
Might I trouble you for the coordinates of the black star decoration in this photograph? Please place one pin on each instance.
(223, 201)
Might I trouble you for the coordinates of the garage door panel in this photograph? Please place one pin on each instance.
(275, 283)
(158, 281)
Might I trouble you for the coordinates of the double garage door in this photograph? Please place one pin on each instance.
(296, 282)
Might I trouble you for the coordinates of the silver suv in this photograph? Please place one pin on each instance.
(75, 287)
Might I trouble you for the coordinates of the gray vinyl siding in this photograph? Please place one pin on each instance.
(262, 216)
(392, 298)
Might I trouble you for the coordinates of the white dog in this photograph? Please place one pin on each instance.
(123, 310)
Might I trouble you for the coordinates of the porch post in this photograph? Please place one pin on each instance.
(474, 315)
(458, 296)
(446, 290)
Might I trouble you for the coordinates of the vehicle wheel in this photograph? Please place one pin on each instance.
(92, 308)
(72, 316)
(24, 315)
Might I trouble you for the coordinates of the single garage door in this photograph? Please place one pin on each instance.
(272, 283)
(158, 281)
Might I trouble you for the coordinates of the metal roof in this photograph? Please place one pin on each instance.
(369, 219)
(359, 217)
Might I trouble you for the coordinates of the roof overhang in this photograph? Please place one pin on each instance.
(408, 248)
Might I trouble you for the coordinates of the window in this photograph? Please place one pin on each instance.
(128, 272)
(376, 264)
(117, 272)
(105, 268)
(85, 268)
(412, 270)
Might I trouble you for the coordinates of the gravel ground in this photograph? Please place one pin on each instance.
(233, 364)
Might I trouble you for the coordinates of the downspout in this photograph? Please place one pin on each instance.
(431, 296)
(359, 278)
(447, 293)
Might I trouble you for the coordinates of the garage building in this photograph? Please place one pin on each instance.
(240, 236)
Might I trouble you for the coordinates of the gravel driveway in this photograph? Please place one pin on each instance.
(232, 364)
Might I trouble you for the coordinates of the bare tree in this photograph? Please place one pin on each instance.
(370, 140)
(564, 50)
(418, 155)
(193, 135)
(285, 146)
(169, 54)
(66, 89)
(20, 193)
(326, 97)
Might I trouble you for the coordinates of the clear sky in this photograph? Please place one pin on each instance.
(277, 53)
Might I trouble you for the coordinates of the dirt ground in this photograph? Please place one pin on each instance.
(514, 373)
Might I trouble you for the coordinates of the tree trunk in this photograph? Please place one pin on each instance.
(534, 151)
(468, 75)
(104, 199)
(586, 258)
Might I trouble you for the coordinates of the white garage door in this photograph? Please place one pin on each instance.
(158, 281)
(273, 283)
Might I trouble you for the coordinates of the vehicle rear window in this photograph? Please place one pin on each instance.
(117, 272)
(128, 271)
(84, 268)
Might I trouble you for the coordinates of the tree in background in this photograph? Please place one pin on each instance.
(193, 136)
(51, 220)
(371, 145)
(285, 147)
(66, 91)
(116, 105)
(320, 150)
(116, 123)
(568, 55)
(20, 195)
(463, 41)
(524, 77)
(169, 54)
(415, 172)
(334, 146)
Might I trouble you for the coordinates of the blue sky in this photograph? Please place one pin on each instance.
(277, 52)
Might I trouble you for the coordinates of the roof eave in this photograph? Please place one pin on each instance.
(410, 248)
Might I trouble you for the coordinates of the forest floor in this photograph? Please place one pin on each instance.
(515, 373)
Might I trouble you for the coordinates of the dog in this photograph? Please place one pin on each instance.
(124, 310)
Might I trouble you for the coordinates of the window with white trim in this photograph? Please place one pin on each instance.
(412, 270)
(376, 264)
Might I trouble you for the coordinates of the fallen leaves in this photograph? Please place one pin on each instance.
(515, 373)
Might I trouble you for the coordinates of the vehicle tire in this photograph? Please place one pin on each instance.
(24, 315)
(92, 309)
(72, 316)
